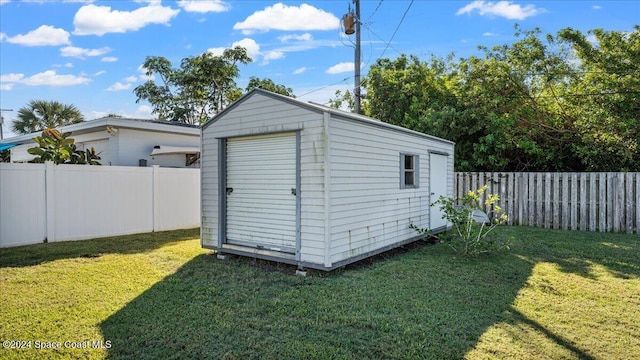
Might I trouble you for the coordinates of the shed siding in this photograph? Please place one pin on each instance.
(368, 210)
(259, 114)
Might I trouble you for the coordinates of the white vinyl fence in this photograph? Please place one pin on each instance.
(46, 202)
(603, 202)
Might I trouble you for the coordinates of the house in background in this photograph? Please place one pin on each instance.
(125, 142)
(317, 187)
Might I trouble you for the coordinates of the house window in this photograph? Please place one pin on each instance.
(409, 175)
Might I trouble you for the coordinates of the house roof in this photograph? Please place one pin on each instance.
(320, 109)
(111, 123)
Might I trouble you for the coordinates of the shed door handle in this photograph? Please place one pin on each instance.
(229, 190)
(293, 191)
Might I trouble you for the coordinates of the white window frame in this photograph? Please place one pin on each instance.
(404, 171)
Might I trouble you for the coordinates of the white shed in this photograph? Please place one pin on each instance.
(310, 185)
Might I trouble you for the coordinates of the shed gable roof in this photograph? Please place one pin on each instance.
(318, 109)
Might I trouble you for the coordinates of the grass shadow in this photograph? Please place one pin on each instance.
(578, 251)
(425, 303)
(519, 317)
(36, 254)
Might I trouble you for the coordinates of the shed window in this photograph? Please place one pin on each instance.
(409, 171)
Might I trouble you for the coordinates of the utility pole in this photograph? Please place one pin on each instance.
(351, 26)
(2, 121)
(357, 59)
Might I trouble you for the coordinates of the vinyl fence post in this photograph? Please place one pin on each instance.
(49, 189)
(155, 196)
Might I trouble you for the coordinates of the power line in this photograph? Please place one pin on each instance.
(397, 28)
(374, 11)
(326, 86)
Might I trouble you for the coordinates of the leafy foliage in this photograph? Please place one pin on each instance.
(269, 85)
(61, 149)
(201, 87)
(39, 115)
(541, 103)
(472, 236)
(5, 155)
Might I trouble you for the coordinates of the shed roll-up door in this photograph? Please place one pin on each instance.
(261, 192)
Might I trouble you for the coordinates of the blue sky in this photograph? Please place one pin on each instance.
(88, 53)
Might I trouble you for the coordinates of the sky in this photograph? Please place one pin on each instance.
(89, 53)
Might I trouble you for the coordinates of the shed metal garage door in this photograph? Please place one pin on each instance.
(261, 192)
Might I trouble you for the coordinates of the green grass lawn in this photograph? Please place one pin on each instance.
(556, 295)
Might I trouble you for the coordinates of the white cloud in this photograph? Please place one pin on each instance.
(289, 18)
(202, 6)
(489, 34)
(11, 77)
(501, 8)
(99, 20)
(45, 35)
(101, 72)
(2, 2)
(80, 53)
(118, 86)
(302, 37)
(341, 68)
(272, 55)
(6, 87)
(109, 59)
(2, 36)
(49, 77)
(299, 71)
(253, 48)
(131, 79)
(144, 111)
(67, 65)
(596, 7)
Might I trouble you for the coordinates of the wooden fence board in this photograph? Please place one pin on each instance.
(605, 202)
(602, 202)
(628, 203)
(592, 202)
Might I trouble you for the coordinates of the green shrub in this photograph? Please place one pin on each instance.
(468, 236)
(61, 149)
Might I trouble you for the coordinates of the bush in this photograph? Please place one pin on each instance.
(471, 236)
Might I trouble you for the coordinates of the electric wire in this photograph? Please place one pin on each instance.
(326, 86)
(397, 28)
(374, 11)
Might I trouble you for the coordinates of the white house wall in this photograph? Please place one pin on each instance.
(260, 114)
(99, 140)
(368, 209)
(133, 145)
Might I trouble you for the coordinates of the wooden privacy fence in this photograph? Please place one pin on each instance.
(604, 202)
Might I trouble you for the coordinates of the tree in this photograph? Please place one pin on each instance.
(268, 84)
(39, 115)
(604, 98)
(343, 101)
(61, 149)
(541, 103)
(200, 88)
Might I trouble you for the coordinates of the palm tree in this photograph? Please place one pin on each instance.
(39, 115)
